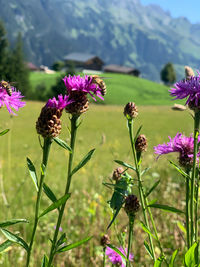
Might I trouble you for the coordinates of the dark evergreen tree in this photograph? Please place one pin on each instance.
(168, 74)
(18, 71)
(3, 52)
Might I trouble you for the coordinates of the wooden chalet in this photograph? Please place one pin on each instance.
(121, 69)
(84, 61)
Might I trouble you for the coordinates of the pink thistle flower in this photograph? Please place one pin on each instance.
(11, 101)
(61, 103)
(180, 143)
(115, 258)
(82, 85)
(188, 88)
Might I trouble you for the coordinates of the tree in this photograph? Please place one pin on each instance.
(168, 74)
(18, 71)
(3, 52)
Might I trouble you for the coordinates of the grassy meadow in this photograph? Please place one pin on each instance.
(87, 212)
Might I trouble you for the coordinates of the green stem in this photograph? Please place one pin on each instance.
(187, 210)
(74, 126)
(192, 202)
(130, 237)
(196, 209)
(46, 150)
(140, 187)
(104, 256)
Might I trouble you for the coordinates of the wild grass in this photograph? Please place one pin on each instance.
(87, 213)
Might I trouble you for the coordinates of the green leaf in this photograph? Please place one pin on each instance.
(125, 164)
(190, 256)
(153, 201)
(181, 227)
(61, 240)
(56, 204)
(11, 222)
(83, 161)
(15, 239)
(117, 251)
(33, 173)
(137, 134)
(4, 132)
(152, 188)
(5, 245)
(146, 229)
(62, 143)
(173, 257)
(158, 262)
(166, 208)
(45, 261)
(182, 172)
(146, 245)
(74, 245)
(145, 170)
(49, 193)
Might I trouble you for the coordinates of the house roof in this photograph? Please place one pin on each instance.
(31, 66)
(80, 57)
(118, 68)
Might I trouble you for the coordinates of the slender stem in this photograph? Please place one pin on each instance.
(196, 209)
(74, 126)
(46, 149)
(104, 257)
(130, 237)
(187, 210)
(196, 133)
(141, 192)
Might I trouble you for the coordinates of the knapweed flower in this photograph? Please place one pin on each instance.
(190, 89)
(130, 110)
(183, 145)
(10, 97)
(141, 143)
(49, 122)
(77, 88)
(132, 205)
(115, 258)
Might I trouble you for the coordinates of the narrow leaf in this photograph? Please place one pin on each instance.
(173, 257)
(5, 245)
(74, 245)
(56, 204)
(61, 240)
(117, 251)
(49, 193)
(152, 188)
(125, 164)
(138, 132)
(152, 201)
(62, 143)
(11, 222)
(83, 161)
(158, 262)
(44, 261)
(15, 239)
(179, 169)
(190, 259)
(146, 245)
(181, 227)
(145, 170)
(4, 132)
(166, 208)
(32, 172)
(146, 229)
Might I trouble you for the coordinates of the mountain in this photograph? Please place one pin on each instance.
(118, 31)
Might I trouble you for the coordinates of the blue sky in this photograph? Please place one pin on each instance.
(187, 8)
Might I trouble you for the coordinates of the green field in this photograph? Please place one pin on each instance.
(104, 128)
(120, 89)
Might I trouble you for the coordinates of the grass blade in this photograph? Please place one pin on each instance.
(166, 208)
(74, 245)
(125, 164)
(4, 132)
(5, 245)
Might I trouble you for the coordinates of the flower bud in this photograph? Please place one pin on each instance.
(49, 123)
(105, 240)
(80, 103)
(130, 110)
(141, 143)
(132, 205)
(117, 173)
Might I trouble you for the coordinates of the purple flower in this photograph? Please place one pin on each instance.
(188, 88)
(61, 103)
(82, 85)
(115, 258)
(11, 101)
(180, 143)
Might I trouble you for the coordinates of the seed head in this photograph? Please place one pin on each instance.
(117, 173)
(141, 143)
(132, 205)
(130, 110)
(105, 240)
(49, 123)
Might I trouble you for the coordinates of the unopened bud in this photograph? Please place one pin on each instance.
(132, 204)
(141, 143)
(105, 240)
(130, 110)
